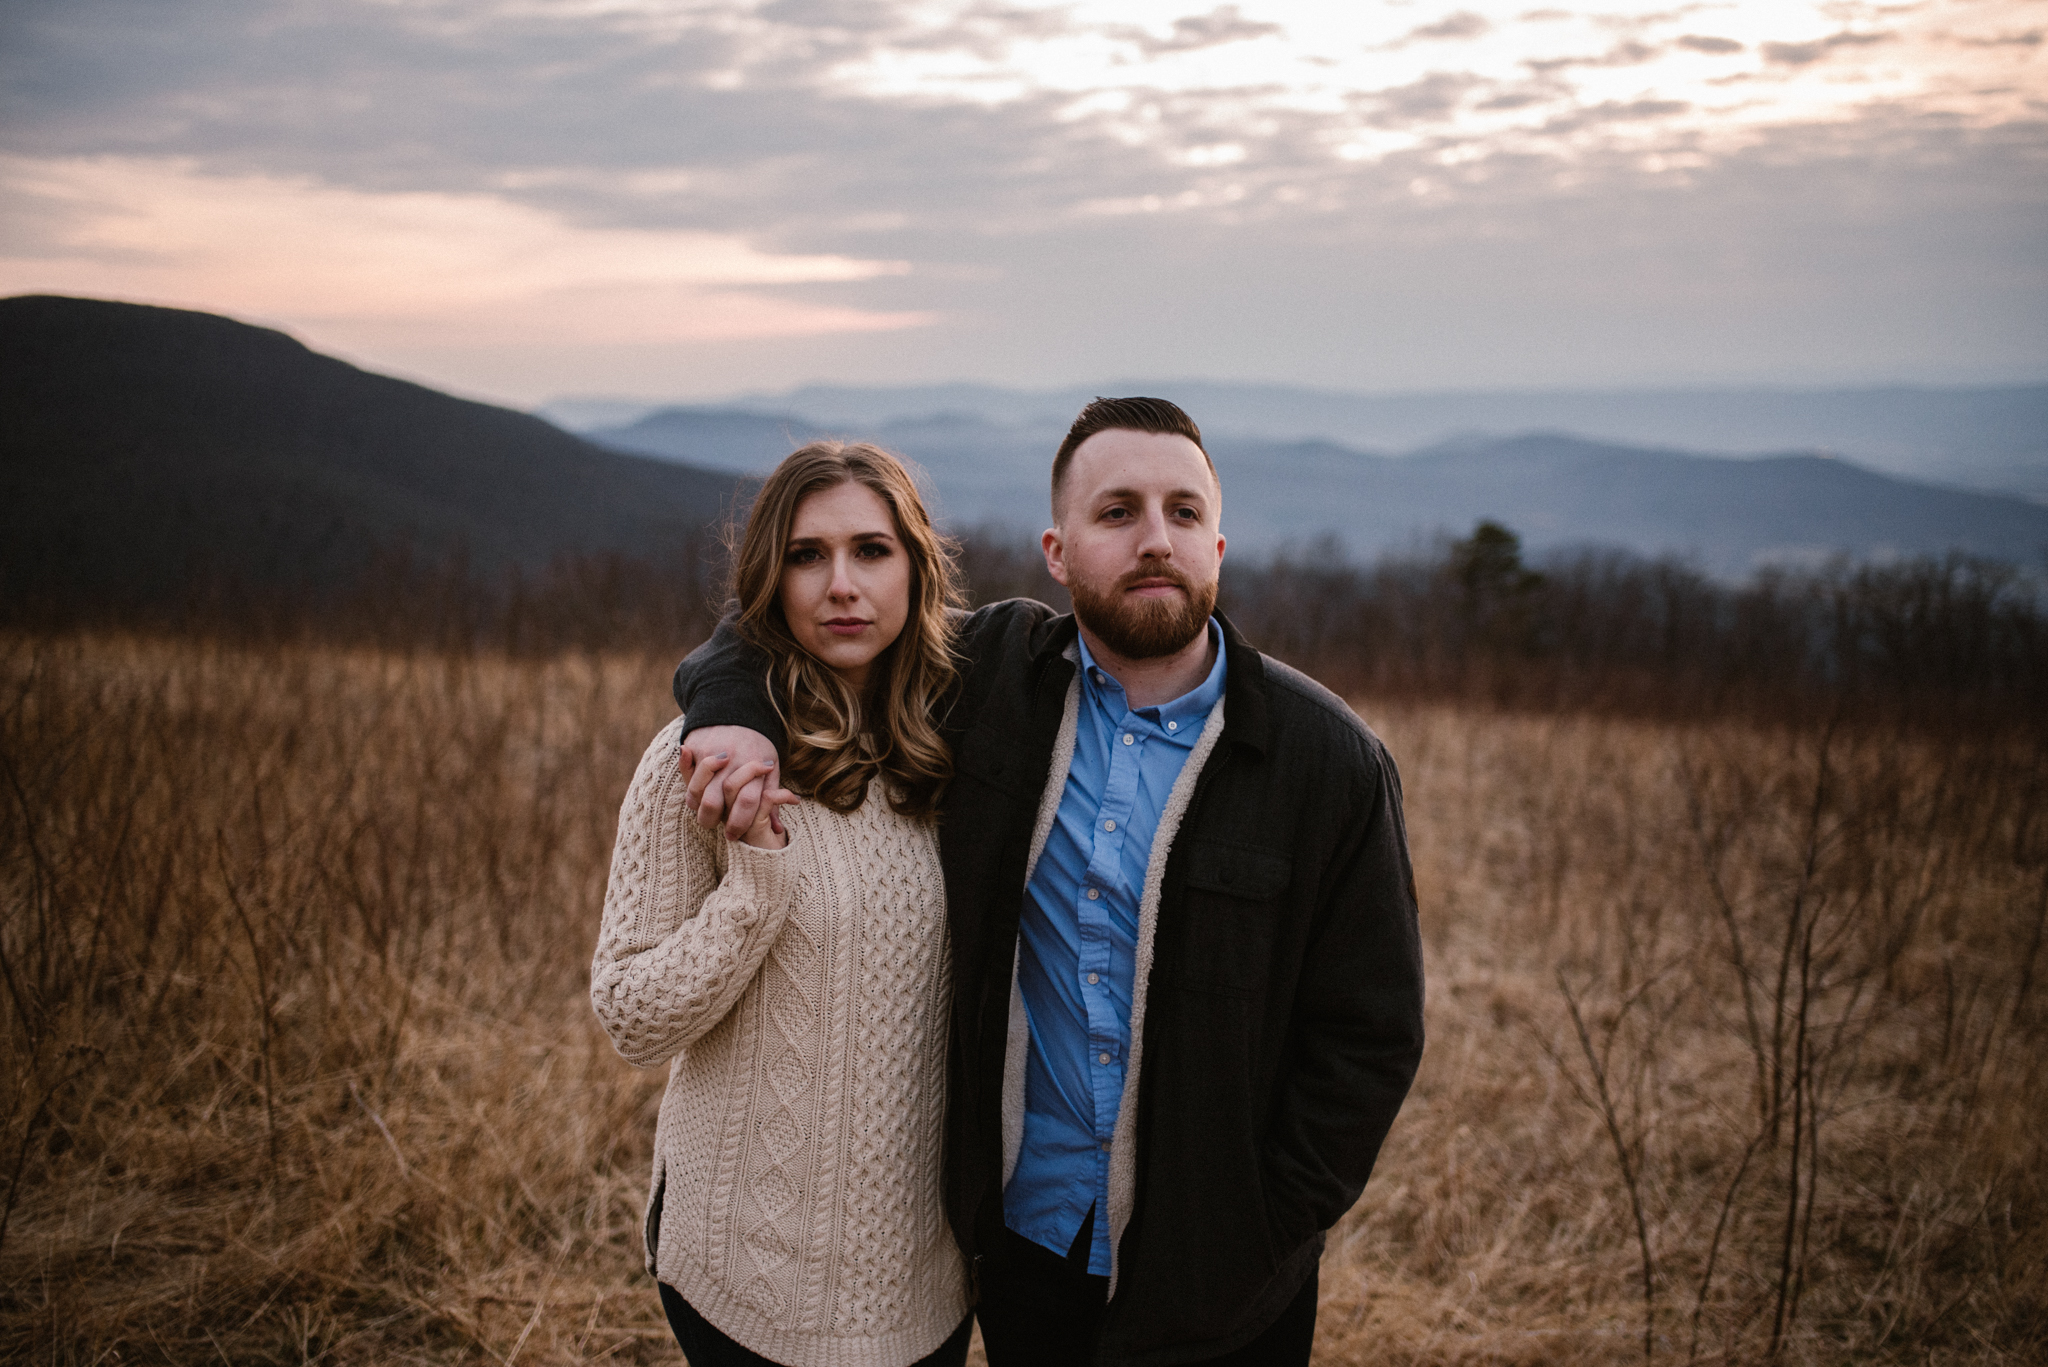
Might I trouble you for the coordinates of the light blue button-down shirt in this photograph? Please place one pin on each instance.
(1079, 936)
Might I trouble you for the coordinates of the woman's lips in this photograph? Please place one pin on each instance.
(847, 626)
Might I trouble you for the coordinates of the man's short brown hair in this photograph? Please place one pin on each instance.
(1132, 415)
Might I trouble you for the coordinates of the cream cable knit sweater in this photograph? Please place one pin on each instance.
(803, 996)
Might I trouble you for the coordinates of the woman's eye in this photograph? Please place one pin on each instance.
(802, 555)
(873, 550)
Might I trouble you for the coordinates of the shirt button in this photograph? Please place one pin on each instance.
(1128, 738)
(1099, 678)
(1173, 726)
(1094, 893)
(1109, 825)
(1105, 1148)
(1094, 978)
(1102, 1058)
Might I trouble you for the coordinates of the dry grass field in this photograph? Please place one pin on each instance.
(1736, 1055)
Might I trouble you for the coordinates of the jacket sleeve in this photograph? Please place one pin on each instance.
(688, 917)
(724, 683)
(1358, 1023)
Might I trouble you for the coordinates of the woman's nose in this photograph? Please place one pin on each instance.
(842, 578)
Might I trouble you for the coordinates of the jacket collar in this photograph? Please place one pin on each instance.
(1246, 716)
(1245, 713)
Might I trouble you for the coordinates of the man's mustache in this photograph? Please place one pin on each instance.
(1166, 572)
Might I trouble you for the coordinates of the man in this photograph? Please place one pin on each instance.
(1186, 971)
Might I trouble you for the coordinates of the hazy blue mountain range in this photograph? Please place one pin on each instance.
(139, 446)
(138, 443)
(1728, 515)
(1989, 438)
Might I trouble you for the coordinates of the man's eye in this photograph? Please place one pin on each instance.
(1116, 514)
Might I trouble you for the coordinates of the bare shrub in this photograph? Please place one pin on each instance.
(1735, 1056)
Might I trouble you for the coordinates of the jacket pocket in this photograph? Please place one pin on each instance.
(1207, 1226)
(1226, 931)
(1238, 870)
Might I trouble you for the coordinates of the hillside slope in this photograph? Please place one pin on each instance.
(140, 446)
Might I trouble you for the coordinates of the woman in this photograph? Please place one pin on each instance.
(798, 977)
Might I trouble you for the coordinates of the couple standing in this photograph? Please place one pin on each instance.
(1081, 983)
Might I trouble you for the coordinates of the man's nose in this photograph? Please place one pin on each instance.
(1155, 542)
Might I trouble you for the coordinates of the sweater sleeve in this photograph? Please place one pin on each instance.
(688, 918)
(724, 681)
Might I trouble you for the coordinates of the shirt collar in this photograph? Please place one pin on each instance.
(1186, 713)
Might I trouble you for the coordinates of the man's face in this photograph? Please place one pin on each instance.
(1136, 540)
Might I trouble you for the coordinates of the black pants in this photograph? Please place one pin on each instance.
(705, 1345)
(1041, 1310)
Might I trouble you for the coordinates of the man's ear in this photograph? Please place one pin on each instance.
(1055, 556)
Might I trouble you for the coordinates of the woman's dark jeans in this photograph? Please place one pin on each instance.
(705, 1346)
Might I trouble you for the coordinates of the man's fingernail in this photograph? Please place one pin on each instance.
(719, 755)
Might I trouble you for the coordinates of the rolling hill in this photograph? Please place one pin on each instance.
(142, 446)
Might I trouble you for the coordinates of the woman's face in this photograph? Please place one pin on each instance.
(845, 579)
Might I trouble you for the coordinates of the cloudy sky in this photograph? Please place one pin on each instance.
(682, 198)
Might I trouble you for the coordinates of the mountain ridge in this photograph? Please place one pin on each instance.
(1988, 437)
(142, 446)
(1731, 515)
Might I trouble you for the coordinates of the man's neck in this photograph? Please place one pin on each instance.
(1148, 683)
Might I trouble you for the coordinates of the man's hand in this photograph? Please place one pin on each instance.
(715, 751)
(766, 832)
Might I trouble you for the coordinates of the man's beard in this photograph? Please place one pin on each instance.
(1145, 628)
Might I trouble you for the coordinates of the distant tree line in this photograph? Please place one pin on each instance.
(1931, 641)
(1954, 640)
(1934, 642)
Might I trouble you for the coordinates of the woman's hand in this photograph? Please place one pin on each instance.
(766, 830)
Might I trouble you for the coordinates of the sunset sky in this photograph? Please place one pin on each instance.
(520, 199)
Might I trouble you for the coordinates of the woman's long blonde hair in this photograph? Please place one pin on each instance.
(839, 740)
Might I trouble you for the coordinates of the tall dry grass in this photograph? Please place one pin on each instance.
(1736, 1051)
(300, 1062)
